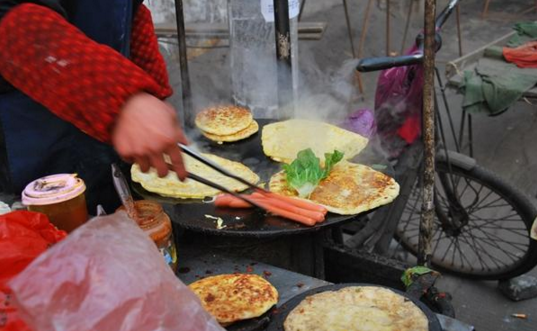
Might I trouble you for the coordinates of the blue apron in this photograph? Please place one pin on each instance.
(39, 143)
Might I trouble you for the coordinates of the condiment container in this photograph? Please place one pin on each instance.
(157, 224)
(60, 197)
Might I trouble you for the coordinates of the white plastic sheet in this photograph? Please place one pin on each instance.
(107, 276)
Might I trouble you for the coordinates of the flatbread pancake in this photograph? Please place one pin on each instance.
(283, 140)
(349, 189)
(249, 131)
(357, 308)
(224, 120)
(171, 186)
(236, 297)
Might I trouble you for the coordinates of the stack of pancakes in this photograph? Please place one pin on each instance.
(226, 123)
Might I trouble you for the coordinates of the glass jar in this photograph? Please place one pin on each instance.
(157, 224)
(60, 197)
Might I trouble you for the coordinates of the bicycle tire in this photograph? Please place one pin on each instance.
(515, 199)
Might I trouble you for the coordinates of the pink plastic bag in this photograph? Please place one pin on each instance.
(398, 105)
(107, 276)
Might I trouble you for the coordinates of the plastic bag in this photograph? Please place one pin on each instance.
(398, 105)
(23, 236)
(108, 276)
(362, 122)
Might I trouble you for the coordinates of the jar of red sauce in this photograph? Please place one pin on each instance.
(60, 197)
(157, 224)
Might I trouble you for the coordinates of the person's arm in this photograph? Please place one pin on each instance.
(54, 63)
(145, 49)
(87, 84)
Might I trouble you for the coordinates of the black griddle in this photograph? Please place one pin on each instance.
(279, 315)
(190, 214)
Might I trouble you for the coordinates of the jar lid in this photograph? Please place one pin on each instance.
(53, 189)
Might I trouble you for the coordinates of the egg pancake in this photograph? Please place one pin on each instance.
(250, 130)
(224, 120)
(171, 186)
(283, 140)
(349, 189)
(357, 308)
(236, 297)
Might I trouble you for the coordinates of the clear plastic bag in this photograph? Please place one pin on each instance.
(107, 276)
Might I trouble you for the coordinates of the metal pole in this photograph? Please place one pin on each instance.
(302, 10)
(188, 111)
(388, 28)
(427, 219)
(283, 53)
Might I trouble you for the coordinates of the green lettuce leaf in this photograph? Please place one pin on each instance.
(305, 172)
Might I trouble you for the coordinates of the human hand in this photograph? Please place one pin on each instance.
(145, 130)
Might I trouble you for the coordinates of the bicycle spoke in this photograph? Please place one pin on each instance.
(494, 242)
(499, 239)
(479, 258)
(495, 220)
(438, 242)
(447, 250)
(491, 257)
(463, 257)
(499, 198)
(471, 210)
(524, 234)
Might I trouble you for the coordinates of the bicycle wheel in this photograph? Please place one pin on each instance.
(492, 243)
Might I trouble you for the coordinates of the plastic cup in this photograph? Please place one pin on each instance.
(60, 197)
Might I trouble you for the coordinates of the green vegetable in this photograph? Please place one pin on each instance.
(305, 172)
(408, 275)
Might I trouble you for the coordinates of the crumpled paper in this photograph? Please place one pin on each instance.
(107, 276)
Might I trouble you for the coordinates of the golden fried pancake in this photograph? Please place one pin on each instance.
(349, 189)
(232, 298)
(171, 186)
(283, 140)
(357, 308)
(224, 120)
(250, 130)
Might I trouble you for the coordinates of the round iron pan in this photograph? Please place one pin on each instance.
(279, 315)
(190, 213)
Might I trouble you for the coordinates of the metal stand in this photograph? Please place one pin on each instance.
(283, 53)
(188, 113)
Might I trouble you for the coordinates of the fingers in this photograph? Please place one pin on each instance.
(157, 162)
(143, 162)
(177, 161)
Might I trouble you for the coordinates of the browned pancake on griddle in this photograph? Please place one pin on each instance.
(349, 189)
(235, 297)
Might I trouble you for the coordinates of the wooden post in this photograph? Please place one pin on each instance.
(427, 219)
(459, 33)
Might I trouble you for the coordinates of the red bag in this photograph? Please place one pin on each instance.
(23, 236)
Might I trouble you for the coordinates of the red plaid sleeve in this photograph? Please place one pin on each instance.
(77, 79)
(145, 51)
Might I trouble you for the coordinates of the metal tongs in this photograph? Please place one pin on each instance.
(190, 152)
